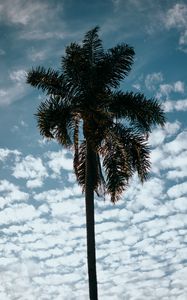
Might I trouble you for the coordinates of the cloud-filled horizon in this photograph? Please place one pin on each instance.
(141, 240)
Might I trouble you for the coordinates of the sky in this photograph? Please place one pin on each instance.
(142, 239)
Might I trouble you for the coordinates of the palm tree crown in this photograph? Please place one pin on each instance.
(84, 96)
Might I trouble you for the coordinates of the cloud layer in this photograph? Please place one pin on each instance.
(142, 239)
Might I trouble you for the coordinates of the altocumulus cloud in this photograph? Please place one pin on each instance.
(142, 239)
(31, 169)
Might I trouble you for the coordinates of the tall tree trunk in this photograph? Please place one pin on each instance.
(90, 222)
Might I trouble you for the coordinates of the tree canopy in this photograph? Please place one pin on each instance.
(84, 96)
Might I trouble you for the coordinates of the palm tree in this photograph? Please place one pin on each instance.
(106, 127)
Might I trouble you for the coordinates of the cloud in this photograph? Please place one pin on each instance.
(152, 80)
(178, 145)
(137, 86)
(59, 195)
(12, 94)
(178, 190)
(23, 13)
(33, 19)
(170, 156)
(183, 38)
(20, 213)
(4, 153)
(39, 34)
(11, 193)
(179, 105)
(59, 161)
(166, 89)
(17, 88)
(30, 168)
(176, 17)
(158, 135)
(18, 76)
(37, 55)
(140, 239)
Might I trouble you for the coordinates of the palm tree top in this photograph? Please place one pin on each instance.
(84, 93)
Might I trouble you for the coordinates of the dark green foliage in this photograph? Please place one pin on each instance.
(83, 94)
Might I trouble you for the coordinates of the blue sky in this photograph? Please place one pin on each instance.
(141, 241)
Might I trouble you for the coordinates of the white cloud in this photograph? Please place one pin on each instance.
(171, 155)
(165, 89)
(137, 239)
(17, 90)
(183, 38)
(31, 17)
(18, 214)
(4, 153)
(38, 182)
(37, 55)
(12, 94)
(30, 168)
(38, 34)
(158, 135)
(137, 86)
(152, 80)
(59, 161)
(180, 204)
(177, 190)
(179, 105)
(178, 144)
(10, 193)
(23, 12)
(18, 76)
(179, 87)
(59, 195)
(176, 17)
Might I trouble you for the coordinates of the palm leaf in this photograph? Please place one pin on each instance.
(116, 168)
(92, 46)
(49, 81)
(55, 120)
(136, 148)
(141, 112)
(125, 151)
(115, 66)
(73, 64)
(79, 164)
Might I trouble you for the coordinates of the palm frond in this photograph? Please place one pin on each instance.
(49, 81)
(74, 66)
(79, 164)
(116, 168)
(142, 113)
(76, 147)
(92, 46)
(136, 148)
(115, 65)
(55, 120)
(125, 151)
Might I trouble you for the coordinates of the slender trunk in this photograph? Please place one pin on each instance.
(90, 224)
